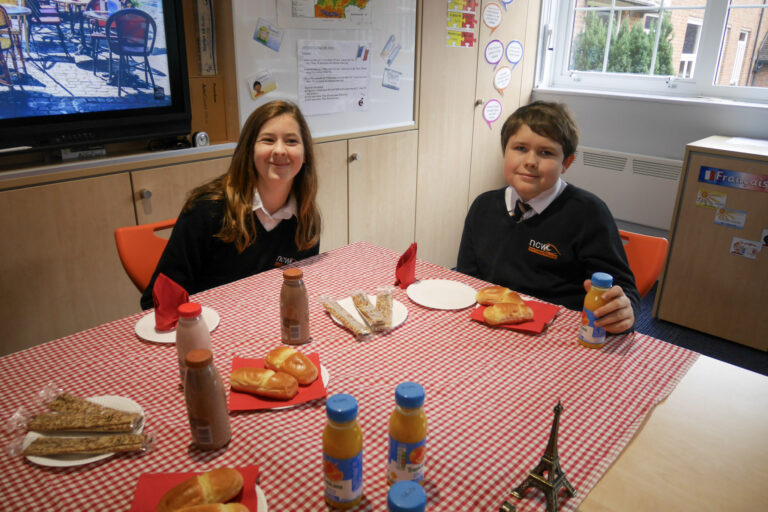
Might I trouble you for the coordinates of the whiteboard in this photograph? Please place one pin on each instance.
(385, 108)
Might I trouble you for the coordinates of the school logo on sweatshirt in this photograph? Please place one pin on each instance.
(283, 260)
(543, 249)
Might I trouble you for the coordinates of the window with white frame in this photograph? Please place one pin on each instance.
(713, 48)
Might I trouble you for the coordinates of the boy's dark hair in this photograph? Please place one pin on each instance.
(548, 119)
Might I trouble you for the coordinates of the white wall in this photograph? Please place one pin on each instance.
(656, 127)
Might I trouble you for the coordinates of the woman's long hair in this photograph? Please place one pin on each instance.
(236, 186)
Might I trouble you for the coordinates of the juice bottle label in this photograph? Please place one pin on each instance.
(343, 478)
(588, 332)
(406, 460)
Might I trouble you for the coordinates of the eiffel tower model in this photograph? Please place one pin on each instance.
(548, 476)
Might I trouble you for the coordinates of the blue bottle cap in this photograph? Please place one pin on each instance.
(409, 395)
(341, 408)
(602, 280)
(406, 497)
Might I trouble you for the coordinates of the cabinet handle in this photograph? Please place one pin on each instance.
(354, 157)
(145, 193)
(479, 102)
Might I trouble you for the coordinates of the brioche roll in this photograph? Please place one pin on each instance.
(491, 295)
(507, 313)
(264, 382)
(292, 362)
(216, 507)
(215, 486)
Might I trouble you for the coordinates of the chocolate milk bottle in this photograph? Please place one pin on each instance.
(294, 308)
(206, 401)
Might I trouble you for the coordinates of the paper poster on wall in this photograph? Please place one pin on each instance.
(334, 76)
(747, 248)
(491, 112)
(206, 41)
(268, 34)
(324, 14)
(460, 38)
(391, 79)
(502, 78)
(463, 5)
(514, 53)
(260, 83)
(458, 19)
(494, 51)
(391, 50)
(711, 199)
(505, 3)
(492, 16)
(731, 218)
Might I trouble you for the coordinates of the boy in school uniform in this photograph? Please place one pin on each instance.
(540, 235)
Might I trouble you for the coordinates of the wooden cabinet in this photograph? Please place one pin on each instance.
(60, 269)
(705, 285)
(459, 156)
(331, 162)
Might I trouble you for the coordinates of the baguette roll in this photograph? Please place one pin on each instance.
(292, 362)
(215, 486)
(491, 295)
(216, 507)
(507, 313)
(264, 382)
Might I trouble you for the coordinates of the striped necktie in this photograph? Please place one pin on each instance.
(520, 209)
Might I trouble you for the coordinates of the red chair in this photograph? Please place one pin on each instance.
(646, 255)
(140, 250)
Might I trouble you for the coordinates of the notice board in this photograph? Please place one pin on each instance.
(350, 66)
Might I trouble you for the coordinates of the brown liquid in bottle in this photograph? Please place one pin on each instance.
(294, 308)
(206, 401)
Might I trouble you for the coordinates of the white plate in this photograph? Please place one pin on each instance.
(399, 311)
(261, 500)
(62, 461)
(145, 328)
(323, 375)
(441, 294)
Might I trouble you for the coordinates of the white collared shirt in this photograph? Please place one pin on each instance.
(539, 203)
(271, 220)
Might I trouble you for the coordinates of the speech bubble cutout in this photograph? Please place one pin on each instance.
(514, 53)
(491, 112)
(502, 78)
(505, 3)
(492, 16)
(494, 52)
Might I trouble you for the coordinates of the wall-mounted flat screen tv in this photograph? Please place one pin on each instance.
(91, 72)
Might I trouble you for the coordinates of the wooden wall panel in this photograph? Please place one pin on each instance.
(332, 194)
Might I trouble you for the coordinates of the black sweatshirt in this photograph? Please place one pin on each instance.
(197, 260)
(550, 254)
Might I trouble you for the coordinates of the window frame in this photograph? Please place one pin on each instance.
(556, 35)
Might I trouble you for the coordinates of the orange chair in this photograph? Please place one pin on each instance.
(646, 256)
(140, 250)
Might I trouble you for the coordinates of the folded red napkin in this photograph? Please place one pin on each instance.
(247, 402)
(405, 273)
(543, 314)
(152, 487)
(167, 296)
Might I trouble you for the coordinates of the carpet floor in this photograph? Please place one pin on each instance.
(712, 346)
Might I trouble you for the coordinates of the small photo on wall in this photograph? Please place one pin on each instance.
(261, 83)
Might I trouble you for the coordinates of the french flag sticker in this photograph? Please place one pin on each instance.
(709, 175)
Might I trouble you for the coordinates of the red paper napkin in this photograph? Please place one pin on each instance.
(167, 296)
(405, 272)
(153, 486)
(247, 402)
(543, 314)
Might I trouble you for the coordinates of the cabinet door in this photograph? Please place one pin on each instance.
(170, 185)
(382, 189)
(60, 269)
(331, 158)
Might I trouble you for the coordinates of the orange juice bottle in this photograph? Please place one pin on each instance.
(590, 335)
(407, 435)
(342, 453)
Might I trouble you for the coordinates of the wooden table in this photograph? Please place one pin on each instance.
(490, 395)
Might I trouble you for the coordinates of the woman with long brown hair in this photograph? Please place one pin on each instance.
(260, 214)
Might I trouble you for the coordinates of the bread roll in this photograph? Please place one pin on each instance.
(507, 313)
(292, 362)
(215, 486)
(216, 507)
(491, 295)
(264, 382)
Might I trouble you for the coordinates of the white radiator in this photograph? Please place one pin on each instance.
(638, 189)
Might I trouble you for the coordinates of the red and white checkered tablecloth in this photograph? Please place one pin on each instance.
(490, 395)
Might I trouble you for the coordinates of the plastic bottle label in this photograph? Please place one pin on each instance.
(343, 478)
(588, 331)
(294, 332)
(406, 460)
(201, 430)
